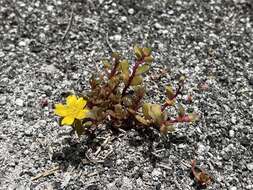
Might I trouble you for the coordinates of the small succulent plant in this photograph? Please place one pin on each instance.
(116, 96)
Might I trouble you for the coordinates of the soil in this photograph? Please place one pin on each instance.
(49, 49)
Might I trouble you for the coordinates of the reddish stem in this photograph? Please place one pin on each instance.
(165, 105)
(114, 70)
(137, 63)
(178, 119)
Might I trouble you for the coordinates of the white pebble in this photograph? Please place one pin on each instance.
(3, 100)
(131, 11)
(231, 133)
(2, 54)
(116, 37)
(19, 102)
(20, 112)
(22, 43)
(250, 166)
(123, 19)
(30, 94)
(158, 26)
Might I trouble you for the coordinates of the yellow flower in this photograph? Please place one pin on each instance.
(74, 109)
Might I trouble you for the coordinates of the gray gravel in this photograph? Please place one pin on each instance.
(210, 41)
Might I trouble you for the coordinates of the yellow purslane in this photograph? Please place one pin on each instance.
(74, 109)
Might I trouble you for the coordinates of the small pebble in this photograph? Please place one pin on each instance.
(123, 19)
(231, 133)
(131, 11)
(158, 26)
(201, 149)
(19, 102)
(156, 173)
(2, 54)
(3, 100)
(20, 112)
(249, 187)
(250, 166)
(181, 146)
(30, 94)
(116, 37)
(26, 152)
(22, 43)
(233, 119)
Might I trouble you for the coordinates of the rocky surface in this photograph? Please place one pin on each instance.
(210, 41)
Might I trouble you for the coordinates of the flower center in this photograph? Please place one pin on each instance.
(74, 110)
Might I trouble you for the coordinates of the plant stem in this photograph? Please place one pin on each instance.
(114, 69)
(185, 118)
(137, 63)
(165, 105)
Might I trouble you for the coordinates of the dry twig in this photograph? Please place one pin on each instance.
(70, 24)
(46, 173)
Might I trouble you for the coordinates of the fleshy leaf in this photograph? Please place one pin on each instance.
(155, 112)
(169, 92)
(139, 91)
(165, 129)
(106, 63)
(142, 120)
(193, 117)
(170, 102)
(145, 110)
(138, 52)
(181, 110)
(137, 80)
(116, 55)
(142, 69)
(124, 65)
(149, 59)
(146, 51)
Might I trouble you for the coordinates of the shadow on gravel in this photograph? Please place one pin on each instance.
(151, 141)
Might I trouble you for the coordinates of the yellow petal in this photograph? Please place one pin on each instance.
(60, 110)
(67, 120)
(82, 114)
(71, 100)
(81, 103)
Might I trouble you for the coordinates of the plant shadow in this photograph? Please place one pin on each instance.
(74, 152)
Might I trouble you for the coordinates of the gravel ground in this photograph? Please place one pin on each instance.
(210, 41)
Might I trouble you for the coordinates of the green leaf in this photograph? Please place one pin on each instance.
(165, 129)
(118, 108)
(181, 110)
(124, 65)
(127, 101)
(182, 79)
(146, 51)
(145, 110)
(170, 102)
(137, 80)
(138, 52)
(116, 55)
(106, 63)
(142, 120)
(193, 117)
(139, 91)
(152, 111)
(119, 111)
(142, 69)
(125, 77)
(155, 112)
(149, 59)
(169, 92)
